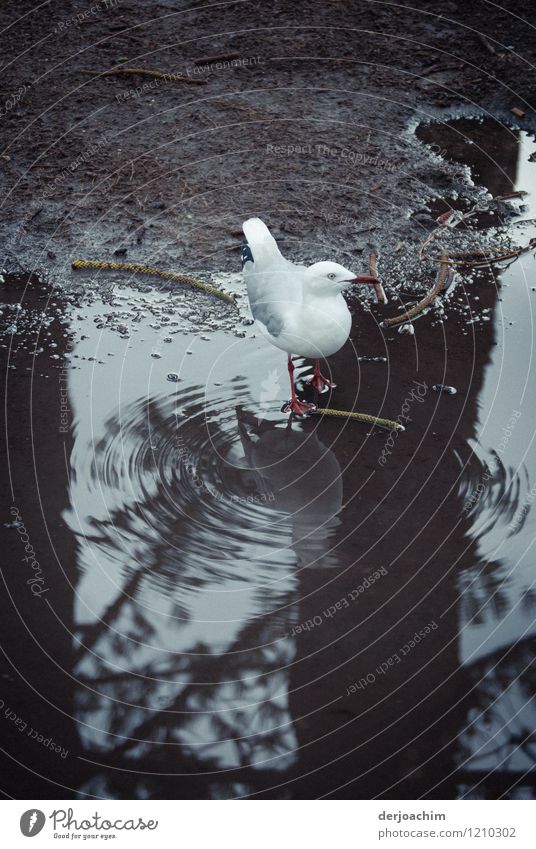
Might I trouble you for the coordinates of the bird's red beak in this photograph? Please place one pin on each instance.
(372, 281)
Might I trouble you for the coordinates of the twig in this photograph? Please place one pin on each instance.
(34, 214)
(439, 66)
(510, 195)
(373, 256)
(160, 75)
(443, 281)
(221, 57)
(467, 258)
(489, 47)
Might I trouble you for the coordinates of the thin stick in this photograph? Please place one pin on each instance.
(489, 47)
(511, 195)
(221, 57)
(444, 278)
(160, 75)
(373, 256)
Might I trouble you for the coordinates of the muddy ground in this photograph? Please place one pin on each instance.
(312, 130)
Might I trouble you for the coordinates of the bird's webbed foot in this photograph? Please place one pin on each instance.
(320, 383)
(298, 408)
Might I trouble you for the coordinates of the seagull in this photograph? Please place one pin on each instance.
(299, 309)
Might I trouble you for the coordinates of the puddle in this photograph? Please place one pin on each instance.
(258, 610)
(195, 510)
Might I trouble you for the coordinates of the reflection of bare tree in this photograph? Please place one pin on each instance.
(500, 727)
(183, 638)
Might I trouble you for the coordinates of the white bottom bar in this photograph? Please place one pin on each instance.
(265, 824)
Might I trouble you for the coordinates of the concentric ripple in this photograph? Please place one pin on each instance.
(207, 489)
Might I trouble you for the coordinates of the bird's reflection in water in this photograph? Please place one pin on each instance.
(193, 525)
(303, 479)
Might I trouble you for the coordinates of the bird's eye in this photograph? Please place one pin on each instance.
(331, 276)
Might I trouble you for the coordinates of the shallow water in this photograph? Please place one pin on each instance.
(240, 607)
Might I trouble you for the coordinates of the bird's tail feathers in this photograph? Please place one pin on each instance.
(262, 244)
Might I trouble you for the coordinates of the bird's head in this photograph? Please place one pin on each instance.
(326, 278)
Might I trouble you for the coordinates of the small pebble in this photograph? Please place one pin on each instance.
(441, 387)
(372, 359)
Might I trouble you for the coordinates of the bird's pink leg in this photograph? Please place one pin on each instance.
(320, 383)
(294, 406)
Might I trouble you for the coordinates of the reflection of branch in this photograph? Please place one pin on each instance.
(488, 754)
(160, 710)
(525, 744)
(93, 632)
(224, 725)
(145, 673)
(209, 667)
(502, 691)
(159, 718)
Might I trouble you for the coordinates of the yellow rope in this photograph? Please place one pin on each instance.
(360, 417)
(159, 75)
(143, 269)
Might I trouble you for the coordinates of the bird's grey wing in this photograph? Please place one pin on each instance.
(274, 284)
(271, 293)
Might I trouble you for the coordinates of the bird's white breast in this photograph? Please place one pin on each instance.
(316, 328)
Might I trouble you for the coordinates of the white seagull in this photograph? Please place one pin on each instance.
(300, 309)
